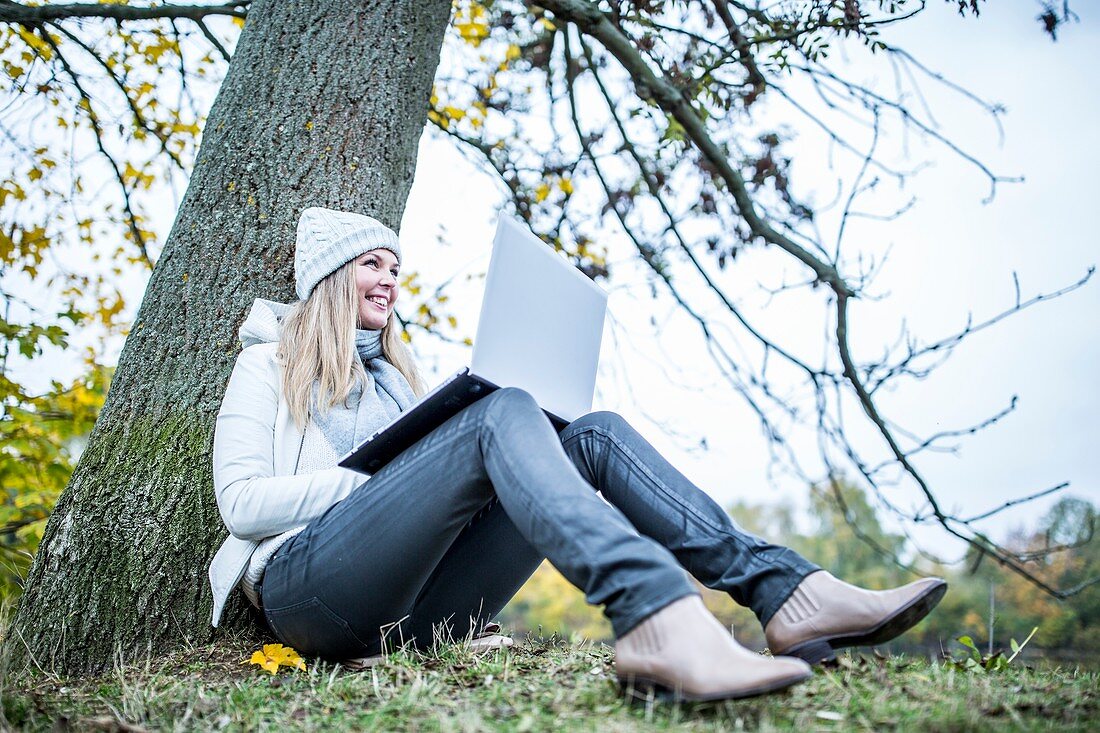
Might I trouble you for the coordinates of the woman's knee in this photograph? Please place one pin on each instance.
(603, 421)
(504, 404)
(509, 399)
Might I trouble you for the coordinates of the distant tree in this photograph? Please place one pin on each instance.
(547, 603)
(40, 438)
(1070, 526)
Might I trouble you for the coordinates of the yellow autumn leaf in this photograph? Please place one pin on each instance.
(33, 40)
(472, 33)
(439, 119)
(471, 26)
(566, 185)
(273, 656)
(513, 52)
(542, 192)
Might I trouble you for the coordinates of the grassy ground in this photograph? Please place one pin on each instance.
(540, 684)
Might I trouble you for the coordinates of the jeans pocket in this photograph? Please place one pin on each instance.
(313, 629)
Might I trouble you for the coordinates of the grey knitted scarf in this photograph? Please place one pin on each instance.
(373, 402)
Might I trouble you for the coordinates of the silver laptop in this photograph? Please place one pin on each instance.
(540, 329)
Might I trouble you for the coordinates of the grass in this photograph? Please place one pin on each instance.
(541, 684)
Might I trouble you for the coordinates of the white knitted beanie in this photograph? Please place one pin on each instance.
(327, 239)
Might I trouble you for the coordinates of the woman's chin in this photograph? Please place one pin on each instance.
(373, 322)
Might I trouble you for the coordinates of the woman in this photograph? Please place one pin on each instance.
(441, 538)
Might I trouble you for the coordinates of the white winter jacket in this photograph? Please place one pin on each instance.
(256, 447)
(269, 478)
(256, 450)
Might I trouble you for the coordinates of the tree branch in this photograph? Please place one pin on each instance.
(131, 217)
(659, 90)
(13, 12)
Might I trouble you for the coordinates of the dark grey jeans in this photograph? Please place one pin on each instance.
(443, 536)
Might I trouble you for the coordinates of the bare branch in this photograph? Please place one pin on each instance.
(213, 40)
(131, 217)
(947, 344)
(592, 21)
(654, 190)
(929, 443)
(871, 99)
(139, 118)
(856, 189)
(742, 45)
(13, 12)
(1016, 502)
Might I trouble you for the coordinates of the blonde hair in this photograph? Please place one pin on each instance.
(317, 346)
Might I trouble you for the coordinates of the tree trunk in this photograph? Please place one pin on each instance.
(323, 104)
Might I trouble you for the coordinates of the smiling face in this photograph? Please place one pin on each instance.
(376, 283)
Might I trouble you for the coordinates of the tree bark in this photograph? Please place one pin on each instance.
(323, 104)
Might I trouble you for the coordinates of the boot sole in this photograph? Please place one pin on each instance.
(822, 649)
(641, 689)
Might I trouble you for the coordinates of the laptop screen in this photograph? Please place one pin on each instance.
(541, 323)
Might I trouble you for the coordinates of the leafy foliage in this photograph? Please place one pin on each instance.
(98, 127)
(41, 436)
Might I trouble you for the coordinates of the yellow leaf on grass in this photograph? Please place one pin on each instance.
(273, 656)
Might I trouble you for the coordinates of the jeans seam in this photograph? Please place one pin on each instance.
(671, 495)
(427, 452)
(654, 603)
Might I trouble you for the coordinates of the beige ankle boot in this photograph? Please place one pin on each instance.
(825, 613)
(682, 652)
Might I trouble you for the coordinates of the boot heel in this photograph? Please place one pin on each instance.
(812, 652)
(639, 689)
